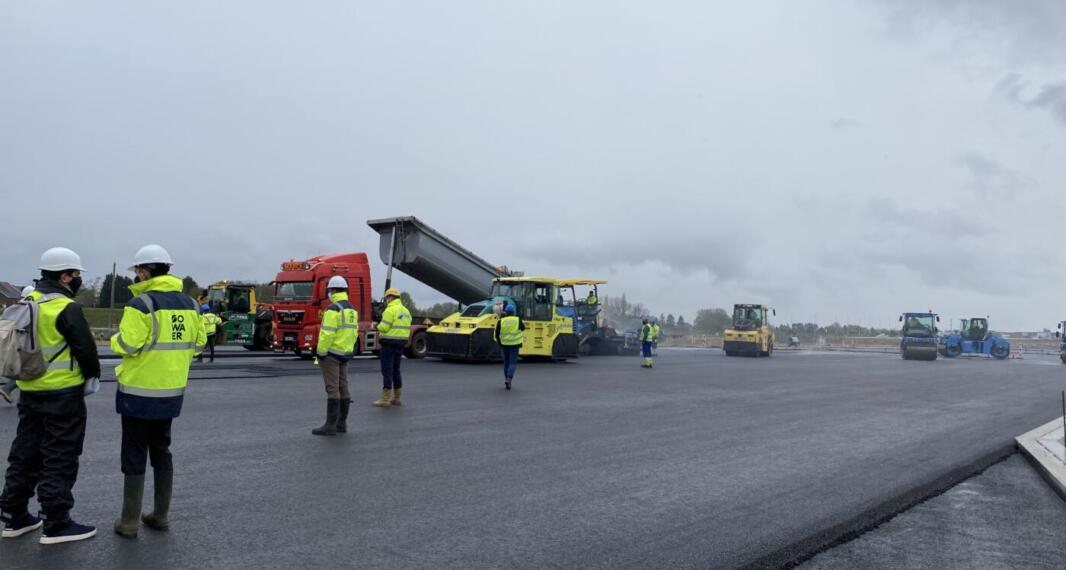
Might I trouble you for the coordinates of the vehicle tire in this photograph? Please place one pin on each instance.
(1000, 352)
(952, 350)
(418, 348)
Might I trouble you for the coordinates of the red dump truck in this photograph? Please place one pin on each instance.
(300, 298)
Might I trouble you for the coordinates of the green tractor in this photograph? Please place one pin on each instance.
(244, 322)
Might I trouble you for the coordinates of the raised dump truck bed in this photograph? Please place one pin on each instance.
(428, 256)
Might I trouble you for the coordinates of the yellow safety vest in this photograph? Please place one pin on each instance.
(63, 371)
(395, 322)
(592, 300)
(655, 331)
(510, 332)
(211, 322)
(645, 333)
(340, 328)
(159, 335)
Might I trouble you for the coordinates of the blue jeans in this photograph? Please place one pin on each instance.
(391, 353)
(10, 386)
(510, 360)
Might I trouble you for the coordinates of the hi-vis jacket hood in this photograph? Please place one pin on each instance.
(163, 283)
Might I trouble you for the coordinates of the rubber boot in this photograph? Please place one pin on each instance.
(395, 401)
(333, 409)
(342, 418)
(132, 496)
(164, 489)
(386, 398)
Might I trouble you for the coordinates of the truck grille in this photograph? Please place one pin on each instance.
(290, 317)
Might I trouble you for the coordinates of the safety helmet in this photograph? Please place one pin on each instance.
(337, 282)
(392, 292)
(26, 291)
(60, 259)
(205, 308)
(509, 309)
(151, 253)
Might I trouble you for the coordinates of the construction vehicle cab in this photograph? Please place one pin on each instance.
(468, 334)
(750, 334)
(973, 337)
(918, 337)
(1061, 333)
(244, 322)
(579, 299)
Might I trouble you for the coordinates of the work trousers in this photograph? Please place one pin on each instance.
(210, 346)
(510, 360)
(391, 354)
(335, 376)
(44, 454)
(645, 349)
(142, 438)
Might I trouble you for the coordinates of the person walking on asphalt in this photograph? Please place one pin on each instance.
(211, 322)
(656, 330)
(509, 335)
(159, 335)
(646, 339)
(7, 391)
(336, 344)
(393, 332)
(51, 430)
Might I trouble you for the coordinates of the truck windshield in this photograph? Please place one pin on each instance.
(293, 291)
(747, 317)
(918, 325)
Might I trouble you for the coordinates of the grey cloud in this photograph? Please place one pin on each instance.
(926, 222)
(724, 258)
(1050, 97)
(989, 177)
(843, 123)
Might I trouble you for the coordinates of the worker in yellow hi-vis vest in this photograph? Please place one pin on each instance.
(509, 334)
(211, 323)
(159, 335)
(393, 332)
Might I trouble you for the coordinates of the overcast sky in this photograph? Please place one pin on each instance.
(838, 160)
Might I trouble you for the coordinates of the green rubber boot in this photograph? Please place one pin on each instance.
(132, 496)
(164, 490)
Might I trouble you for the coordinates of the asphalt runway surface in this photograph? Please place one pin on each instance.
(702, 462)
(1007, 517)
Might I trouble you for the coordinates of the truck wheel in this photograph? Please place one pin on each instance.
(418, 348)
(952, 350)
(1000, 352)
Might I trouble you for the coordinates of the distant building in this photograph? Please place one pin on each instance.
(9, 294)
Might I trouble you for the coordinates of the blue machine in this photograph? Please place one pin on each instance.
(973, 338)
(919, 336)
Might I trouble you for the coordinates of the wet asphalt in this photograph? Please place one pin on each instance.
(1006, 517)
(702, 462)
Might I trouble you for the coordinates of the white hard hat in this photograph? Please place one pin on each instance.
(26, 291)
(337, 282)
(151, 253)
(60, 259)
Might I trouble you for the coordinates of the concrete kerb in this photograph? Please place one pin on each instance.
(1046, 451)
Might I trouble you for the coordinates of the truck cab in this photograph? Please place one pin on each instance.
(750, 333)
(468, 334)
(300, 298)
(918, 337)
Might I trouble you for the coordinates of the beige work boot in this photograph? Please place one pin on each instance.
(396, 397)
(386, 399)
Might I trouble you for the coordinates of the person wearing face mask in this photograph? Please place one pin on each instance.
(51, 431)
(159, 335)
